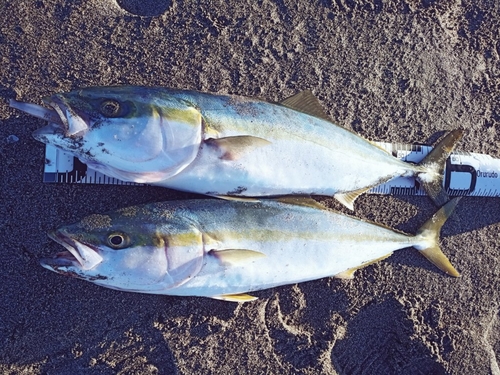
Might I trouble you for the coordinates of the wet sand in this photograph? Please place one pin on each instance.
(403, 72)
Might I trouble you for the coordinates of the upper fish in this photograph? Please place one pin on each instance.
(225, 145)
(223, 249)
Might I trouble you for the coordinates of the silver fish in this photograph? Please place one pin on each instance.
(223, 249)
(224, 145)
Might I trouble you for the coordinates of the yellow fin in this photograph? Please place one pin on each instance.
(349, 273)
(432, 174)
(235, 297)
(306, 102)
(233, 148)
(346, 275)
(235, 256)
(234, 198)
(436, 256)
(430, 231)
(347, 199)
(301, 201)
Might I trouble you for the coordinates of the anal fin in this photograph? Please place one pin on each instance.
(349, 273)
(235, 297)
(346, 275)
(347, 199)
(301, 201)
(238, 198)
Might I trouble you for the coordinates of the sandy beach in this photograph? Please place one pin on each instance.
(403, 71)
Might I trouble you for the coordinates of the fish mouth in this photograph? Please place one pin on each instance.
(63, 119)
(77, 255)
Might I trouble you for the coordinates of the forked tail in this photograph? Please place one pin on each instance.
(432, 175)
(429, 234)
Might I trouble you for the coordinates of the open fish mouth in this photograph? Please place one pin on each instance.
(61, 117)
(78, 255)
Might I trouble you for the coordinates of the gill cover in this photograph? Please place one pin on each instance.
(185, 254)
(131, 133)
(168, 258)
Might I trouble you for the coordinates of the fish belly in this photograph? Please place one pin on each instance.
(291, 166)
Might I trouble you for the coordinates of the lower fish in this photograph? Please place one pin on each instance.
(225, 145)
(224, 249)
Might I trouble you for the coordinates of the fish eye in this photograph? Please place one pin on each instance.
(111, 108)
(117, 240)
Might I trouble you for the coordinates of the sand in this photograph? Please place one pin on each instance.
(403, 71)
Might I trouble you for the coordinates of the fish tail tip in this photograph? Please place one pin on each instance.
(430, 233)
(432, 174)
(436, 256)
(458, 133)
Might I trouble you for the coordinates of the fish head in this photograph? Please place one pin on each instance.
(131, 133)
(122, 252)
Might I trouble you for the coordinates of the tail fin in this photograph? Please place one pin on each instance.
(433, 165)
(430, 232)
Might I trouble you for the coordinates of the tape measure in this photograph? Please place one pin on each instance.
(63, 167)
(466, 173)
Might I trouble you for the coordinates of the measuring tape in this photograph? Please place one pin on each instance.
(63, 167)
(466, 173)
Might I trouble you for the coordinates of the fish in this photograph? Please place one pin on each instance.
(225, 145)
(225, 249)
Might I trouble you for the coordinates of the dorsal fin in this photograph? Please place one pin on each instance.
(306, 102)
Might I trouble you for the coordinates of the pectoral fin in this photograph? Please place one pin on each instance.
(347, 199)
(349, 273)
(236, 256)
(233, 148)
(235, 297)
